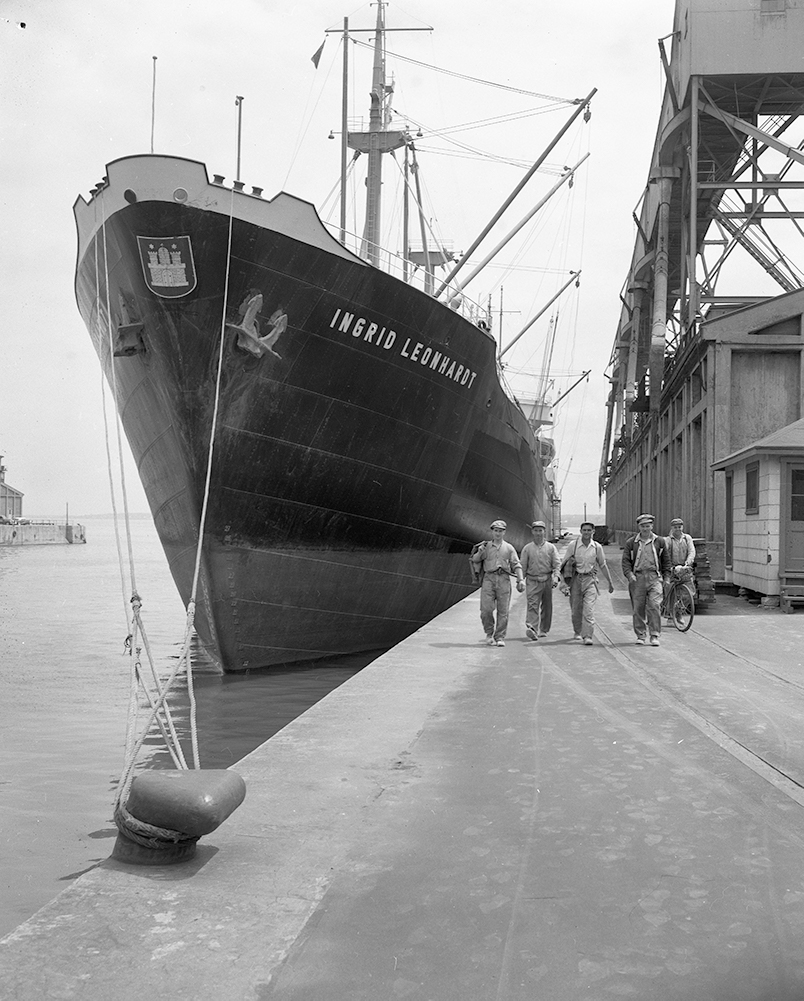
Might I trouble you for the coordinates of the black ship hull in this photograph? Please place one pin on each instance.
(358, 451)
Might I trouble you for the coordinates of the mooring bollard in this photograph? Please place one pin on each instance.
(168, 811)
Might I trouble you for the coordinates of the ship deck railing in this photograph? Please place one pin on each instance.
(395, 264)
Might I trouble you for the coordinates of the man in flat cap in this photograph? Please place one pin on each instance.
(499, 562)
(540, 563)
(680, 546)
(646, 565)
(582, 561)
(681, 550)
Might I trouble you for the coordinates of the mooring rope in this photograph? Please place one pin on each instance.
(136, 631)
(191, 604)
(137, 640)
(148, 835)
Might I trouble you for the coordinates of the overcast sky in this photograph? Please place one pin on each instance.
(76, 94)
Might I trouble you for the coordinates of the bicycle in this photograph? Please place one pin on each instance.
(679, 604)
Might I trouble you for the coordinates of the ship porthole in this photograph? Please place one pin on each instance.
(180, 195)
(129, 196)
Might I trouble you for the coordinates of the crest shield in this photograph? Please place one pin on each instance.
(167, 265)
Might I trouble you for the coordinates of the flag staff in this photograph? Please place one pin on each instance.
(153, 104)
(239, 103)
(344, 127)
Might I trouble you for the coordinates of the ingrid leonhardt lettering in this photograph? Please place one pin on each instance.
(417, 352)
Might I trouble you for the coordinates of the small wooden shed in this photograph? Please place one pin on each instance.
(764, 546)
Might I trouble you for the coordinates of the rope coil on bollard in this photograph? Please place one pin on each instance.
(147, 835)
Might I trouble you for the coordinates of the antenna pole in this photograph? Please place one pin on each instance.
(406, 216)
(428, 274)
(499, 346)
(344, 126)
(239, 103)
(153, 104)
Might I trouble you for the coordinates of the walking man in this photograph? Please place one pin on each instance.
(499, 561)
(540, 562)
(646, 564)
(584, 560)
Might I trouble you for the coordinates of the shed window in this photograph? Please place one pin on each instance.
(752, 488)
(797, 496)
(772, 6)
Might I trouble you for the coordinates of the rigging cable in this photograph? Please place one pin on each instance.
(412, 193)
(334, 189)
(564, 243)
(475, 152)
(305, 125)
(558, 101)
(479, 123)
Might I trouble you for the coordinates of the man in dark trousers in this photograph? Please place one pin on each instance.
(646, 565)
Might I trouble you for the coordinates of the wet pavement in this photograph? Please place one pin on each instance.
(462, 822)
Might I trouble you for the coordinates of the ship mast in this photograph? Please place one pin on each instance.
(378, 120)
(379, 139)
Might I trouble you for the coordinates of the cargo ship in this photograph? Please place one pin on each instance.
(338, 436)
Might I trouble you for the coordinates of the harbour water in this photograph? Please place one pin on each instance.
(64, 684)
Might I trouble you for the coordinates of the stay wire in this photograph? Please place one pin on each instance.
(558, 101)
(205, 504)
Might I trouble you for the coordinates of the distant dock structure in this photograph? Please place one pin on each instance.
(707, 360)
(15, 530)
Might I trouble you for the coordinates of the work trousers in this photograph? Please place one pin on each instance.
(583, 595)
(495, 596)
(539, 594)
(646, 601)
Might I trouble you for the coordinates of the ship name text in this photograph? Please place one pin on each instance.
(414, 351)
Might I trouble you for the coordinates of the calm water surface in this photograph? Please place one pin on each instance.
(64, 681)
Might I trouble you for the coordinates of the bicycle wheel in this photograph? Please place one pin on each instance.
(682, 607)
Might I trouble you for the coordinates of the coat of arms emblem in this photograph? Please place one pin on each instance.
(167, 264)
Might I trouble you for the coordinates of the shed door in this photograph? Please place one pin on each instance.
(794, 534)
(729, 520)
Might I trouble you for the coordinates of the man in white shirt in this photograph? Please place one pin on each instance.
(587, 558)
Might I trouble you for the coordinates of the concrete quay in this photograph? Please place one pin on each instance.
(42, 534)
(456, 822)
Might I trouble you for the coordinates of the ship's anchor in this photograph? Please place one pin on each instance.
(248, 330)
